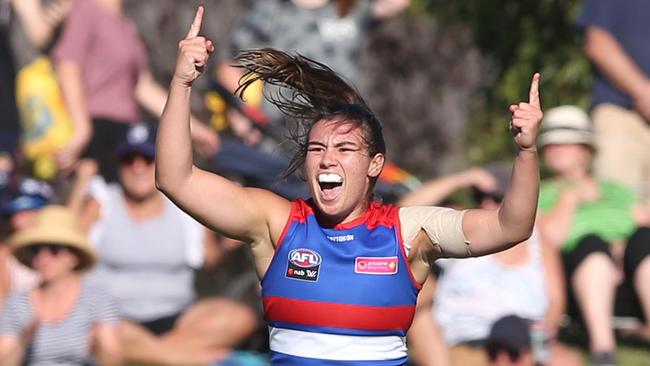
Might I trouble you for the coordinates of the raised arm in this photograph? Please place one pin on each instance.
(40, 21)
(251, 215)
(491, 231)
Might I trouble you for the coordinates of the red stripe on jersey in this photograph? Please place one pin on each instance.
(324, 314)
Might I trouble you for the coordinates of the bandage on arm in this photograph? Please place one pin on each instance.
(443, 226)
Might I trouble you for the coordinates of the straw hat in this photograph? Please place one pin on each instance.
(566, 124)
(56, 225)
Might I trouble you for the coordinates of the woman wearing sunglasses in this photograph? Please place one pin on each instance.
(63, 320)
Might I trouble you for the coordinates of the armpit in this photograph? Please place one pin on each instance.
(444, 227)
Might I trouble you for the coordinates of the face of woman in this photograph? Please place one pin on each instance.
(53, 261)
(567, 159)
(339, 169)
(137, 175)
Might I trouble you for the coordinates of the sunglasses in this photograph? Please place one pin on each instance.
(52, 248)
(129, 159)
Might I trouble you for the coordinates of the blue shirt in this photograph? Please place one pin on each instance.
(627, 21)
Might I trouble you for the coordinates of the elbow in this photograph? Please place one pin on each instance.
(170, 186)
(520, 234)
(162, 184)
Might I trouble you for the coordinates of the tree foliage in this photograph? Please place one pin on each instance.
(519, 37)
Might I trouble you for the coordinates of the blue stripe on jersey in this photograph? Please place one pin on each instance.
(281, 359)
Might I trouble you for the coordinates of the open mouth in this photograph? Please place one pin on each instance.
(330, 184)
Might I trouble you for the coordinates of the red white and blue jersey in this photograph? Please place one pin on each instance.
(339, 296)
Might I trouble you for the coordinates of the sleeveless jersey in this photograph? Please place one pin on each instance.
(339, 296)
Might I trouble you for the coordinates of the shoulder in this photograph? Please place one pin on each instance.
(419, 213)
(16, 313)
(18, 302)
(274, 209)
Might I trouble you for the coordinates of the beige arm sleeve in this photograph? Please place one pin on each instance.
(444, 227)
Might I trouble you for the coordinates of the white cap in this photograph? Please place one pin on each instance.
(566, 125)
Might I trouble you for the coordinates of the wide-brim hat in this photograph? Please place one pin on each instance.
(566, 125)
(55, 225)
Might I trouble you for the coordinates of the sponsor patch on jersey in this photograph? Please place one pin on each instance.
(376, 265)
(304, 264)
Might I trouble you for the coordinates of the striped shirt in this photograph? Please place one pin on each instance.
(66, 342)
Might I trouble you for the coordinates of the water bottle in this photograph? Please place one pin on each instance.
(539, 342)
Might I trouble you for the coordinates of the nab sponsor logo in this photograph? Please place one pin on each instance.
(304, 264)
(304, 258)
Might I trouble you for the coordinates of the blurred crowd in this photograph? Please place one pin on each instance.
(96, 265)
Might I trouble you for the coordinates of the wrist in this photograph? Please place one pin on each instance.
(527, 150)
(180, 84)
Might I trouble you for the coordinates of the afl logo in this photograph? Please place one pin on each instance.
(304, 258)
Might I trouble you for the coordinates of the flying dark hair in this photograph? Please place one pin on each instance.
(309, 92)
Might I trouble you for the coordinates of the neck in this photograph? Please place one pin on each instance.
(343, 218)
(575, 175)
(114, 6)
(60, 285)
(144, 208)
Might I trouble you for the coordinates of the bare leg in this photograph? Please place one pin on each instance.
(210, 328)
(142, 346)
(594, 284)
(562, 355)
(642, 287)
(426, 344)
(203, 334)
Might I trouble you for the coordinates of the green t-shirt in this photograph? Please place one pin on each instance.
(609, 217)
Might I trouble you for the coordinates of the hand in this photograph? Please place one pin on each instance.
(243, 128)
(526, 118)
(86, 168)
(480, 179)
(56, 11)
(67, 157)
(582, 190)
(641, 214)
(193, 52)
(588, 190)
(205, 139)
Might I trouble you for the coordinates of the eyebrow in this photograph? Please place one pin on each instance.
(338, 144)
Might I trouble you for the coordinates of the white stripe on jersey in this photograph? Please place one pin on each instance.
(336, 346)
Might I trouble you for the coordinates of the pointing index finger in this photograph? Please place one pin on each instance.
(196, 24)
(533, 95)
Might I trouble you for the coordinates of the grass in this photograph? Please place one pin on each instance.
(633, 356)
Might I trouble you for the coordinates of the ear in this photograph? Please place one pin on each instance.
(376, 165)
